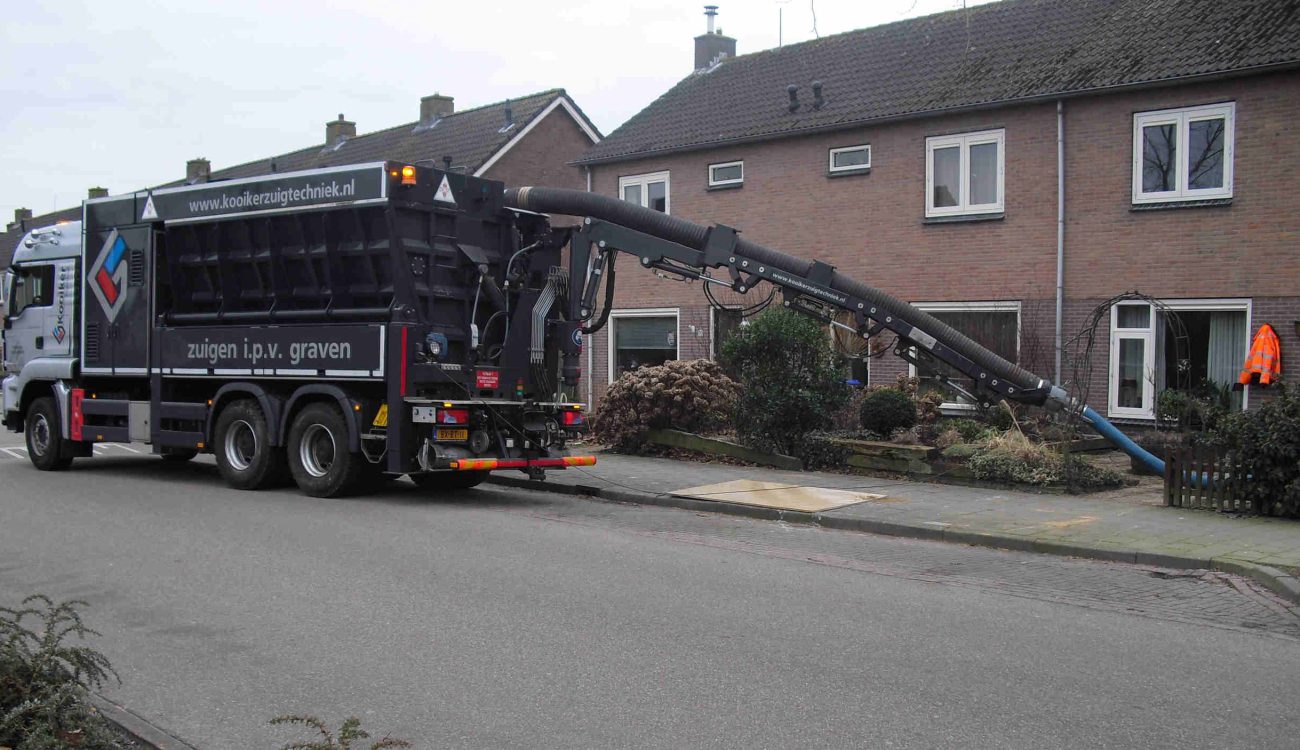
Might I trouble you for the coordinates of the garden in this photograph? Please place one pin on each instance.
(779, 389)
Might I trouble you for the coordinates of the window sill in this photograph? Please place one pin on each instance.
(848, 172)
(964, 218)
(728, 186)
(1171, 205)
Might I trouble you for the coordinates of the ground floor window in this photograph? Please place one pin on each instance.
(1202, 353)
(641, 338)
(993, 325)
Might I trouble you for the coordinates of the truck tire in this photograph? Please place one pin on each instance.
(443, 481)
(46, 446)
(319, 458)
(242, 445)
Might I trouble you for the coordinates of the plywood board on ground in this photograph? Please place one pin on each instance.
(782, 496)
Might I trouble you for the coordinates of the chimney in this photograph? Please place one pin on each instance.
(339, 129)
(21, 216)
(197, 171)
(436, 107)
(712, 47)
(97, 192)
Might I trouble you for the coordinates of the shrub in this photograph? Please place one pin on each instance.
(819, 451)
(44, 679)
(1011, 457)
(349, 733)
(790, 381)
(1267, 444)
(694, 395)
(969, 430)
(888, 410)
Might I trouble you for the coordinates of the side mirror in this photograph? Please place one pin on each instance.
(6, 283)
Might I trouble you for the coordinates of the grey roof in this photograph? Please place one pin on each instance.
(983, 56)
(470, 137)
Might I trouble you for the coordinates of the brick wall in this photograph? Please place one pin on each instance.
(543, 156)
(871, 225)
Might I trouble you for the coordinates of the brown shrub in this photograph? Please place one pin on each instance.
(689, 395)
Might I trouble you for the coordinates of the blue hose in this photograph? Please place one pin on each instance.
(1122, 441)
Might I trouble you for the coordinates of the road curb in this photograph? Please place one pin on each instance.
(1278, 581)
(139, 728)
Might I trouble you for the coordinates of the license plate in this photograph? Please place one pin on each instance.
(447, 434)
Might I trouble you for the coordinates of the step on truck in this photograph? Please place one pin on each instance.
(331, 327)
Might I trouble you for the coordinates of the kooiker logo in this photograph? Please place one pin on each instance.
(109, 274)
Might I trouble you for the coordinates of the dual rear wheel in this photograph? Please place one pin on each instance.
(315, 455)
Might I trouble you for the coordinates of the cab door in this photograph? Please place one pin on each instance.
(31, 298)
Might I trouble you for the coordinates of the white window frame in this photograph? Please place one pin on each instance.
(964, 141)
(1182, 118)
(721, 183)
(644, 180)
(1148, 336)
(830, 159)
(991, 306)
(647, 312)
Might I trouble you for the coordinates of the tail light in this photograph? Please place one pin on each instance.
(76, 418)
(453, 416)
(572, 418)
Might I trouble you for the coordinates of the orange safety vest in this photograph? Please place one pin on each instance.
(1264, 362)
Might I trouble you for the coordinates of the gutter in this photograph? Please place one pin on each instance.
(1060, 229)
(901, 117)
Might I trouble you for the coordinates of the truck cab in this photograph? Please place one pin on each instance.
(39, 311)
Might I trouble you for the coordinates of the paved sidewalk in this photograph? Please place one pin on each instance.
(1108, 526)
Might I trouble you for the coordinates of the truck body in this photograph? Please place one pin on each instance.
(330, 325)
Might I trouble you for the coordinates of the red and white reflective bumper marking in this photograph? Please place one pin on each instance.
(490, 464)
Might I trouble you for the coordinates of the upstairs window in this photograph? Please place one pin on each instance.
(850, 159)
(727, 174)
(648, 190)
(1183, 154)
(964, 174)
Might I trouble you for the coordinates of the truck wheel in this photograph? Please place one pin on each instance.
(243, 449)
(318, 453)
(440, 481)
(46, 447)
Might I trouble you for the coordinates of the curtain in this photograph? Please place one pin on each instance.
(1227, 352)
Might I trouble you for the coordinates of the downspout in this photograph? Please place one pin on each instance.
(591, 361)
(1060, 229)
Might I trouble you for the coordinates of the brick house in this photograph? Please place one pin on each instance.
(529, 140)
(922, 157)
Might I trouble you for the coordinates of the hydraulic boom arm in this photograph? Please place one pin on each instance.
(674, 246)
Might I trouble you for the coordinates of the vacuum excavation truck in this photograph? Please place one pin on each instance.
(376, 320)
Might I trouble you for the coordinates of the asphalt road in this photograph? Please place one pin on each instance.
(509, 619)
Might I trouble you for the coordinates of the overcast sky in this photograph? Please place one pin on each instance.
(121, 94)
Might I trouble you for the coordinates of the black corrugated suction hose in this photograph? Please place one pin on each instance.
(579, 203)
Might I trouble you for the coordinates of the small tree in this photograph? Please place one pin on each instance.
(791, 383)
